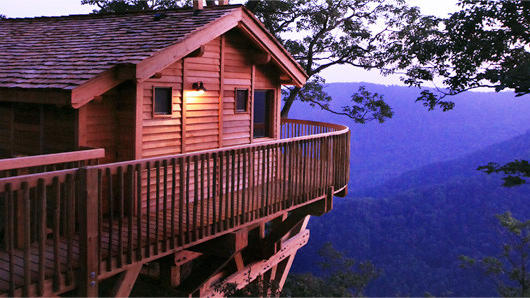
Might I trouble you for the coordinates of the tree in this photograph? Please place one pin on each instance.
(516, 171)
(343, 276)
(511, 270)
(485, 44)
(333, 33)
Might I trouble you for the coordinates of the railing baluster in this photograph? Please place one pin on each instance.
(100, 219)
(121, 197)
(130, 213)
(214, 194)
(233, 195)
(157, 207)
(56, 189)
(209, 186)
(195, 196)
(181, 202)
(164, 211)
(202, 199)
(70, 212)
(244, 189)
(263, 185)
(27, 237)
(41, 198)
(11, 237)
(228, 202)
(188, 219)
(110, 219)
(252, 175)
(138, 212)
(148, 212)
(173, 198)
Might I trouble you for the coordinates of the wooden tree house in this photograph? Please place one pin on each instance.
(154, 137)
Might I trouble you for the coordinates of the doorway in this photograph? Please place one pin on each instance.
(263, 109)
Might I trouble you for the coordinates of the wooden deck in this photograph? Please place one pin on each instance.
(163, 238)
(72, 228)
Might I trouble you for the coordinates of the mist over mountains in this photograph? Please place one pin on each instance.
(416, 200)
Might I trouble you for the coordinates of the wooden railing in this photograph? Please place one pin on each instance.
(10, 167)
(98, 220)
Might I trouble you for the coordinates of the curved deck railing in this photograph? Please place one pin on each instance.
(98, 220)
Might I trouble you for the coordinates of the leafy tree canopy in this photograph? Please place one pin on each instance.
(484, 44)
(516, 172)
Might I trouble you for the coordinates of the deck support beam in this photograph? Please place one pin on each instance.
(126, 281)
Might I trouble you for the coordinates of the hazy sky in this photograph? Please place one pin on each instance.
(32, 8)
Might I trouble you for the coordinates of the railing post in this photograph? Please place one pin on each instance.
(88, 232)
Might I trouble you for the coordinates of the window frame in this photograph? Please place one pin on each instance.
(158, 115)
(247, 108)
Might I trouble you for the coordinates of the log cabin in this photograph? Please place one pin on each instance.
(152, 143)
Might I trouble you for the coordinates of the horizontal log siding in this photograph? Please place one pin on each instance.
(163, 135)
(202, 112)
(110, 123)
(238, 74)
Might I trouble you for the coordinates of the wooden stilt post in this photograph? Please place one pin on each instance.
(88, 232)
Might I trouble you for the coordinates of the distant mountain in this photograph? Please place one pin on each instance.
(415, 137)
(415, 226)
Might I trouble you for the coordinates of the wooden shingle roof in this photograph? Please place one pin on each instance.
(83, 56)
(65, 52)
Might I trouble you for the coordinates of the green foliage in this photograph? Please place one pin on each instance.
(516, 171)
(333, 33)
(485, 44)
(343, 276)
(510, 270)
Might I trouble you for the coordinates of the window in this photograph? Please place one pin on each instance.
(263, 109)
(162, 101)
(241, 100)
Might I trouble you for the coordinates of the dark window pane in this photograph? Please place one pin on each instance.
(262, 113)
(241, 100)
(163, 101)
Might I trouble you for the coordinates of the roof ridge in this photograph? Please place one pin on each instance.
(114, 14)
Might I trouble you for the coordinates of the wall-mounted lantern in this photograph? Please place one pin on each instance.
(199, 88)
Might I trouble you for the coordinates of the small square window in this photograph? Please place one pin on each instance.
(241, 100)
(163, 102)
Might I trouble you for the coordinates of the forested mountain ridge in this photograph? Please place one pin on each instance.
(416, 200)
(415, 226)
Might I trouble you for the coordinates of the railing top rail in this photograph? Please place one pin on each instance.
(32, 179)
(341, 129)
(316, 123)
(50, 159)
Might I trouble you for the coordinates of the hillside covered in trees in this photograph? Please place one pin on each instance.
(417, 201)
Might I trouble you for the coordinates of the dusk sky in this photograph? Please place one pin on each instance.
(32, 8)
